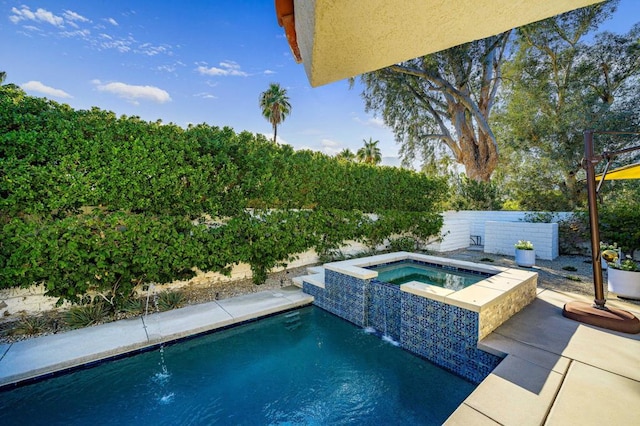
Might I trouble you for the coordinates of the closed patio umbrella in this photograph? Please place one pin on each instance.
(597, 313)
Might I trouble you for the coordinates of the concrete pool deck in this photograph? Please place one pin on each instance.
(556, 371)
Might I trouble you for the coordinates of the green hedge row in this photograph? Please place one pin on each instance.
(90, 201)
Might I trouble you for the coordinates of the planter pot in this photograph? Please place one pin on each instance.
(604, 264)
(624, 283)
(525, 258)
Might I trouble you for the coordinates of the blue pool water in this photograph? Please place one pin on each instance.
(404, 272)
(303, 367)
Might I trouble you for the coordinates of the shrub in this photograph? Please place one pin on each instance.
(93, 203)
(30, 325)
(170, 300)
(574, 234)
(133, 306)
(86, 315)
(403, 244)
(619, 222)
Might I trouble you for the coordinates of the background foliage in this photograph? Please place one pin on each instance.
(94, 202)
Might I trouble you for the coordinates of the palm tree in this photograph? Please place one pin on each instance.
(3, 76)
(369, 153)
(346, 154)
(275, 106)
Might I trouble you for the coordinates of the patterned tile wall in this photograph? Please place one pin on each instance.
(383, 308)
(346, 297)
(444, 334)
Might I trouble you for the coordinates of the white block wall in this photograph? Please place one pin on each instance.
(455, 235)
(500, 238)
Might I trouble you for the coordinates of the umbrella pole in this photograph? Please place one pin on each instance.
(588, 164)
(597, 313)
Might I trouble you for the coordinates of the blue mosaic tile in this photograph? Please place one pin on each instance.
(444, 334)
(383, 308)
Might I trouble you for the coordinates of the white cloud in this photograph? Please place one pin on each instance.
(72, 16)
(78, 33)
(112, 21)
(329, 147)
(279, 140)
(40, 15)
(133, 93)
(151, 50)
(121, 46)
(205, 95)
(171, 68)
(371, 122)
(269, 72)
(227, 68)
(328, 143)
(36, 86)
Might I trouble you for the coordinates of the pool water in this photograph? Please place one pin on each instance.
(404, 272)
(302, 367)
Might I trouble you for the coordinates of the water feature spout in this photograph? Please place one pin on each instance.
(149, 291)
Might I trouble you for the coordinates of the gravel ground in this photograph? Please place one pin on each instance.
(571, 274)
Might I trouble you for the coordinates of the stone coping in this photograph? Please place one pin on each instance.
(476, 297)
(356, 267)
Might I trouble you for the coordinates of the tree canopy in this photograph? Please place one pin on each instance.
(369, 153)
(275, 106)
(563, 80)
(443, 98)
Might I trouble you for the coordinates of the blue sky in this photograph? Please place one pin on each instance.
(187, 62)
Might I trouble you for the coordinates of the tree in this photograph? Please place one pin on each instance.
(369, 153)
(443, 98)
(275, 106)
(556, 87)
(346, 154)
(8, 86)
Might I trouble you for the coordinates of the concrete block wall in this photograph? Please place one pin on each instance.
(477, 219)
(455, 235)
(500, 238)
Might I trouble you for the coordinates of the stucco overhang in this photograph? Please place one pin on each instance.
(337, 39)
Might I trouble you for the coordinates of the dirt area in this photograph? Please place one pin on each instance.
(571, 274)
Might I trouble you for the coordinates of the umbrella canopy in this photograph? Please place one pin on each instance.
(631, 171)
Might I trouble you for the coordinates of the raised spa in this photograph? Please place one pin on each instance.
(428, 273)
(441, 324)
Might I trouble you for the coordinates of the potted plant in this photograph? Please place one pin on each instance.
(525, 255)
(623, 278)
(608, 252)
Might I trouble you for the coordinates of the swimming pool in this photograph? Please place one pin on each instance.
(302, 367)
(406, 271)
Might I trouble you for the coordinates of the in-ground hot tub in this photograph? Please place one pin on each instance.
(441, 324)
(406, 271)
